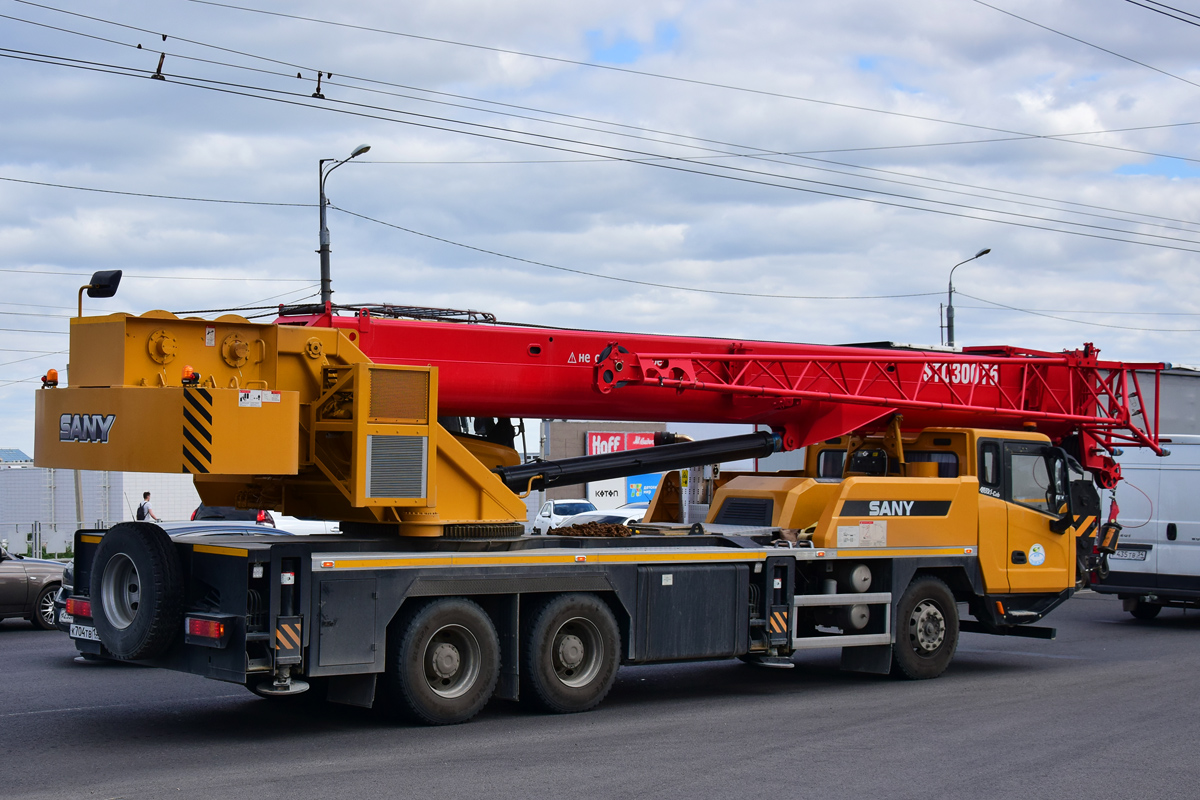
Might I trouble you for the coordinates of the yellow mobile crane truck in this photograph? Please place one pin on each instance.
(931, 479)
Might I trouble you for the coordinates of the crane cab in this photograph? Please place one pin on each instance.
(1003, 496)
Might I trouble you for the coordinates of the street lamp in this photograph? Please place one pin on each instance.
(322, 173)
(950, 295)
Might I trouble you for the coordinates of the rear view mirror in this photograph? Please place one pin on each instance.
(1058, 489)
(104, 283)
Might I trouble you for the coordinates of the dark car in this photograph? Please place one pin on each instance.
(259, 516)
(28, 587)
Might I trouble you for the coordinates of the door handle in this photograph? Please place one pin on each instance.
(1172, 532)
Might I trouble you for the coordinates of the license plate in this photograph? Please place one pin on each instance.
(1128, 555)
(65, 618)
(84, 632)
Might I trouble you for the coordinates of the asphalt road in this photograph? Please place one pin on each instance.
(1108, 710)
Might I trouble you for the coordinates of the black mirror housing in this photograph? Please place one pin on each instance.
(104, 283)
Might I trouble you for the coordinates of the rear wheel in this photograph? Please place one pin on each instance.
(570, 654)
(926, 630)
(444, 666)
(43, 614)
(137, 591)
(1145, 611)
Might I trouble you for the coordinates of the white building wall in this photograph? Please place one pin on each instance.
(32, 496)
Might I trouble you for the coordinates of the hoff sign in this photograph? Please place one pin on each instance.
(600, 442)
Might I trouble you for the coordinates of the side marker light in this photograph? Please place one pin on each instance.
(1000, 607)
(580, 559)
(327, 564)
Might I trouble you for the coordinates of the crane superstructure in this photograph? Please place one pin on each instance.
(931, 477)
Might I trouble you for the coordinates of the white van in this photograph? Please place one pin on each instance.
(1158, 560)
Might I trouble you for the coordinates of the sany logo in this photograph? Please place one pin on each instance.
(85, 427)
(601, 443)
(890, 508)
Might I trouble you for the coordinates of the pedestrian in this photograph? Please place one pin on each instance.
(144, 510)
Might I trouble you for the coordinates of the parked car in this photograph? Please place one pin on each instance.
(615, 516)
(28, 587)
(553, 512)
(230, 514)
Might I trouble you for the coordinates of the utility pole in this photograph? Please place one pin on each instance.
(322, 175)
(950, 296)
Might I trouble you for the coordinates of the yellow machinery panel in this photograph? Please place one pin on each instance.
(171, 429)
(290, 418)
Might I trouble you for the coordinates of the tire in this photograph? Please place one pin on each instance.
(570, 653)
(443, 668)
(926, 630)
(1145, 611)
(137, 591)
(44, 614)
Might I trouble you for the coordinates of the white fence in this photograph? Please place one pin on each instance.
(44, 540)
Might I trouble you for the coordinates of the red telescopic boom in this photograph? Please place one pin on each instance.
(806, 393)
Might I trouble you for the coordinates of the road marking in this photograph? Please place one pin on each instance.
(114, 705)
(1018, 653)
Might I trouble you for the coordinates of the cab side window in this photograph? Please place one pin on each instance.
(989, 465)
(1030, 481)
(830, 463)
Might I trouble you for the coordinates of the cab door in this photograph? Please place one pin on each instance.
(1039, 560)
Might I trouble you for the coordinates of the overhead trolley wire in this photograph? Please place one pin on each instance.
(1166, 13)
(760, 153)
(1016, 135)
(559, 143)
(1078, 321)
(625, 280)
(1080, 41)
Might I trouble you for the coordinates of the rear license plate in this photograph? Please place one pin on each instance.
(84, 632)
(65, 618)
(1128, 555)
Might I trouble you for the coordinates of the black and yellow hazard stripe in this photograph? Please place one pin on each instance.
(197, 431)
(287, 637)
(778, 622)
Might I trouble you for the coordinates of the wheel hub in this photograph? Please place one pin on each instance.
(570, 651)
(452, 661)
(120, 587)
(445, 660)
(927, 627)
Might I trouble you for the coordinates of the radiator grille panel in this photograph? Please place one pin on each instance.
(400, 394)
(396, 466)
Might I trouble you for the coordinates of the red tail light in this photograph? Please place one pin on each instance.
(205, 628)
(262, 515)
(193, 517)
(77, 607)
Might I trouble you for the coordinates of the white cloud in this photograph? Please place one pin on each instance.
(947, 59)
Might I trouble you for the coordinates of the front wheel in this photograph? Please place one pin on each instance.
(43, 614)
(926, 630)
(1145, 611)
(570, 654)
(445, 665)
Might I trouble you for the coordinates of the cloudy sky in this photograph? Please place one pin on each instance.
(791, 152)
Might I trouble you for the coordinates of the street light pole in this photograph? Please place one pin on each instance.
(322, 175)
(950, 295)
